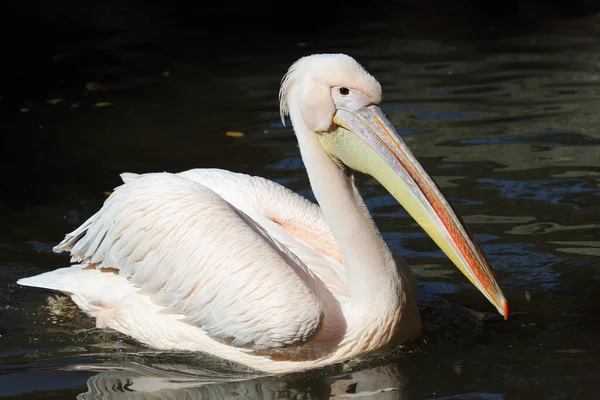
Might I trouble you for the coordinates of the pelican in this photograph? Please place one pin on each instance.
(246, 270)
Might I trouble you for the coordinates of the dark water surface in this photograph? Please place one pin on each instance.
(505, 116)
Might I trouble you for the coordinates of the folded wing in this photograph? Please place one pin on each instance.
(197, 255)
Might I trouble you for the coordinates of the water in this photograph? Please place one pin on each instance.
(504, 116)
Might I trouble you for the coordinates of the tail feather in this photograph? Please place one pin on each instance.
(91, 289)
(62, 279)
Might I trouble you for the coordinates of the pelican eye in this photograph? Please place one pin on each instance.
(344, 91)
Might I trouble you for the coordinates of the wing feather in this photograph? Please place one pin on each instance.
(198, 255)
(290, 218)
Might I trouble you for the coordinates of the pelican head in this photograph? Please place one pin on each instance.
(338, 100)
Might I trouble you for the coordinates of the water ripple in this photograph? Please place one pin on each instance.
(572, 192)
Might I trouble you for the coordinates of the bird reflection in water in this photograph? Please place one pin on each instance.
(176, 381)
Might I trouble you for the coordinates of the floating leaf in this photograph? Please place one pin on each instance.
(107, 193)
(95, 86)
(24, 109)
(457, 369)
(301, 44)
(234, 134)
(103, 104)
(54, 101)
(527, 296)
(571, 351)
(91, 86)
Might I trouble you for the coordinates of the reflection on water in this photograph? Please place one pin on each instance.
(506, 118)
(135, 381)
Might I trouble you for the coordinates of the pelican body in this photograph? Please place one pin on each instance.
(244, 269)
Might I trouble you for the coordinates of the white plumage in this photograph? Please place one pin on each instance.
(150, 264)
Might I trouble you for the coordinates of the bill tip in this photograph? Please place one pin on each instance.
(505, 309)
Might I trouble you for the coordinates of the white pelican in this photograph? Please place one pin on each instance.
(244, 269)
